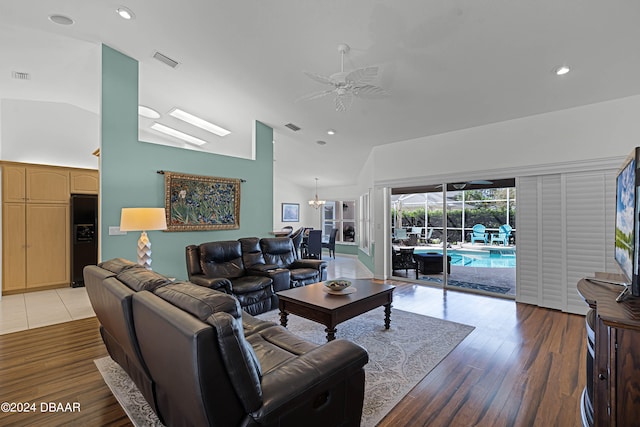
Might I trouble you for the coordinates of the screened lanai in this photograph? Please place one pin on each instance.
(427, 222)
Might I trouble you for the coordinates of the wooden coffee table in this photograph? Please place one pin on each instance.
(313, 303)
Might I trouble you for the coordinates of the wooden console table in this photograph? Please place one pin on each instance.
(614, 374)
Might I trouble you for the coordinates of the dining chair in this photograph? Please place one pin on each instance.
(314, 244)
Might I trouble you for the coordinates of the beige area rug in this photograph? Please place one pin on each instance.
(398, 358)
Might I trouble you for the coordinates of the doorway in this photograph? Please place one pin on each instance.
(461, 238)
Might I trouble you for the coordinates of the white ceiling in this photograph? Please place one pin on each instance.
(447, 65)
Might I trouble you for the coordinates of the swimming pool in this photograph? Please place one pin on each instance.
(493, 258)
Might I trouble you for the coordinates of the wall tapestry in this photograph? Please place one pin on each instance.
(196, 202)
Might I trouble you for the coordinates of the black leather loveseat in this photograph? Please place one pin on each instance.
(200, 360)
(252, 269)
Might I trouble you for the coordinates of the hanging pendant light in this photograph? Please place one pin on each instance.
(316, 203)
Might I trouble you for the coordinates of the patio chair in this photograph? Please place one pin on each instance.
(402, 259)
(502, 236)
(479, 234)
(400, 236)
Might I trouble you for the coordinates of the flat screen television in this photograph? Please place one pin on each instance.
(627, 245)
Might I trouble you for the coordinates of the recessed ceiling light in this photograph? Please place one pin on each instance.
(177, 134)
(197, 121)
(148, 112)
(562, 70)
(61, 19)
(125, 13)
(321, 142)
(331, 132)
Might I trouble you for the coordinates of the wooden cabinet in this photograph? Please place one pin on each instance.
(14, 183)
(615, 374)
(36, 235)
(35, 184)
(84, 182)
(14, 246)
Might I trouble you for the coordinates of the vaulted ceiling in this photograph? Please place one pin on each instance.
(446, 65)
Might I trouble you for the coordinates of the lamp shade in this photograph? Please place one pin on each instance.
(142, 219)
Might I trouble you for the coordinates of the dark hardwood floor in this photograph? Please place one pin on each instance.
(521, 366)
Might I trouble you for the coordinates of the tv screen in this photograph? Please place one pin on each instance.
(626, 239)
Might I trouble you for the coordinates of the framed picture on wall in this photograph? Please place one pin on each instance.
(290, 212)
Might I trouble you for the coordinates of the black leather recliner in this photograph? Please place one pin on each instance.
(280, 252)
(201, 361)
(215, 262)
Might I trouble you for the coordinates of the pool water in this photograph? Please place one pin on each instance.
(494, 258)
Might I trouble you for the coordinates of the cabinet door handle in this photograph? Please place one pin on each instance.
(602, 376)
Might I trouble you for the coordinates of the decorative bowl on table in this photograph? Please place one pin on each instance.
(337, 285)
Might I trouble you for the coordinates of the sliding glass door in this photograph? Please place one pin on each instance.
(468, 230)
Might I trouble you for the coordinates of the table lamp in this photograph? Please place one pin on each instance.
(143, 219)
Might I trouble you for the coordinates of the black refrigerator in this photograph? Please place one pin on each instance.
(84, 235)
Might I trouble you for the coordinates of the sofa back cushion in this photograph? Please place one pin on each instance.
(117, 265)
(239, 359)
(251, 252)
(199, 301)
(221, 259)
(278, 251)
(141, 279)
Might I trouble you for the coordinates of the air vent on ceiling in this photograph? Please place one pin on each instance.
(292, 127)
(18, 75)
(165, 60)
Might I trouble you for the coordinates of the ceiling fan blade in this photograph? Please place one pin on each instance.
(363, 75)
(314, 95)
(343, 102)
(369, 91)
(480, 182)
(320, 79)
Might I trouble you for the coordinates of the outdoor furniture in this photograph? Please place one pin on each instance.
(478, 233)
(430, 263)
(503, 235)
(402, 259)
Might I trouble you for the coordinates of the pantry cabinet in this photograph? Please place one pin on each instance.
(36, 234)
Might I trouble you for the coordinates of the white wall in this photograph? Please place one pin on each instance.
(286, 190)
(49, 133)
(597, 131)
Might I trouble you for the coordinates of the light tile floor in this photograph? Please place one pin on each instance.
(35, 309)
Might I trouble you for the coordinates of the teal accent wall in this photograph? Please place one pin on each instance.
(129, 177)
(368, 260)
(347, 249)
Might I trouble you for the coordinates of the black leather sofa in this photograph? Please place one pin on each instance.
(252, 269)
(199, 360)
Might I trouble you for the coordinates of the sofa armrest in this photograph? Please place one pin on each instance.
(307, 377)
(218, 283)
(316, 264)
(281, 277)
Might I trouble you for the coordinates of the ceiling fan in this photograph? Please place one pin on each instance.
(346, 84)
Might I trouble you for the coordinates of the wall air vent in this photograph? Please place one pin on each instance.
(292, 127)
(18, 75)
(165, 60)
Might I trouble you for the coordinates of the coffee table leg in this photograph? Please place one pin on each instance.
(331, 334)
(283, 318)
(387, 316)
